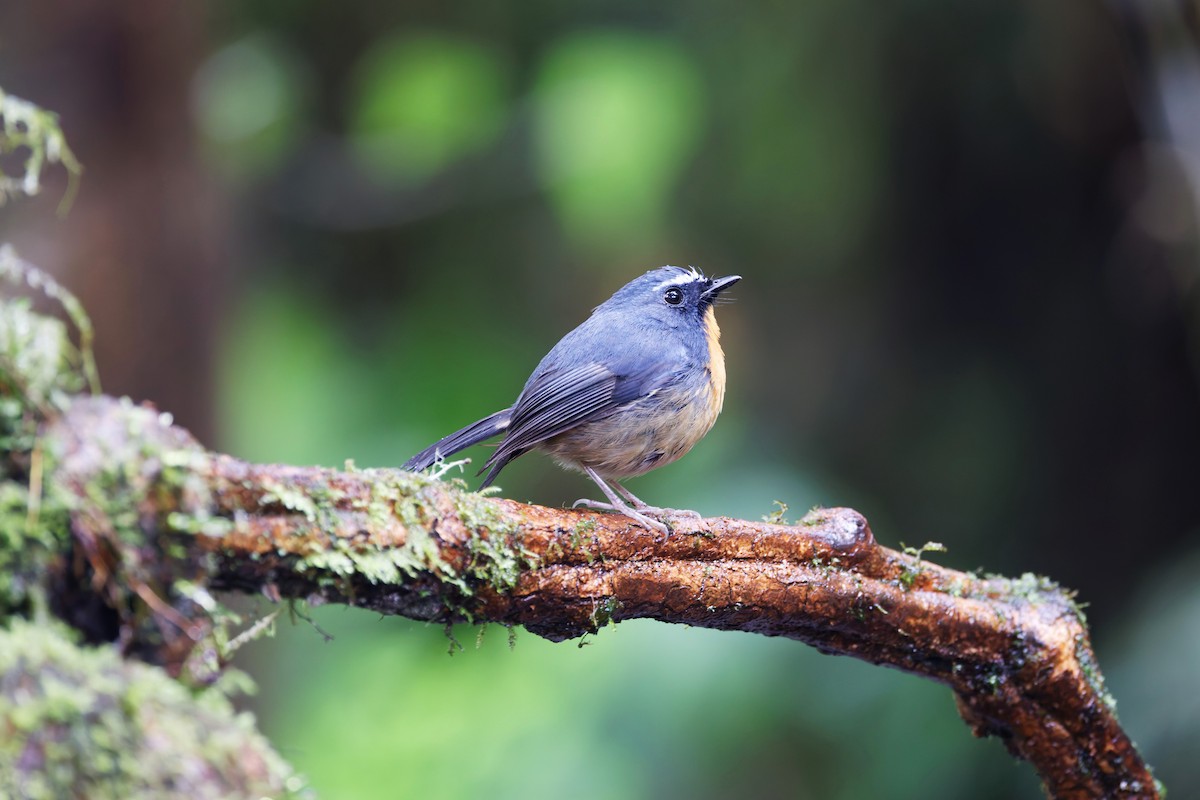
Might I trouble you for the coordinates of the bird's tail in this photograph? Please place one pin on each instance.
(475, 433)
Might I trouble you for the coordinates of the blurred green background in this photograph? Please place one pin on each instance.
(968, 234)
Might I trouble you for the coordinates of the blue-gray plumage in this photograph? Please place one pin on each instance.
(632, 388)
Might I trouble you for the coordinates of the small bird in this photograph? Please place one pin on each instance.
(632, 388)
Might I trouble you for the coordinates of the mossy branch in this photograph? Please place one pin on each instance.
(147, 506)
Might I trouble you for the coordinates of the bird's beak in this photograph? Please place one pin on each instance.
(719, 285)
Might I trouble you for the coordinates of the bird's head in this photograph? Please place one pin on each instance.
(673, 295)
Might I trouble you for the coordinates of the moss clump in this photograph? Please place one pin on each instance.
(777, 517)
(604, 611)
(36, 373)
(1091, 673)
(497, 557)
(27, 545)
(583, 539)
(40, 371)
(815, 516)
(494, 555)
(122, 473)
(394, 496)
(25, 126)
(36, 378)
(82, 722)
(497, 561)
(913, 570)
(1032, 588)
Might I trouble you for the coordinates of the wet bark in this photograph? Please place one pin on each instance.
(1015, 652)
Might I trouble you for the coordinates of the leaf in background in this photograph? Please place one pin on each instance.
(618, 116)
(248, 99)
(424, 101)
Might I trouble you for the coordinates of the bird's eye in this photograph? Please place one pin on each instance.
(673, 296)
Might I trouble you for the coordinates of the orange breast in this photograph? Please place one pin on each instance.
(716, 364)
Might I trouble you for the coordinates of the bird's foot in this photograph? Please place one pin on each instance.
(666, 513)
(679, 520)
(654, 511)
(621, 508)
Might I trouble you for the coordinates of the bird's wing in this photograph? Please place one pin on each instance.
(560, 399)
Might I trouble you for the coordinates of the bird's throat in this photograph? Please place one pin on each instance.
(716, 361)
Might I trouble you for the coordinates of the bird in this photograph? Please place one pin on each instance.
(632, 388)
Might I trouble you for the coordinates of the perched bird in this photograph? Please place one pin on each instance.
(632, 388)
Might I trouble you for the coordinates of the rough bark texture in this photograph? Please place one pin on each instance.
(1015, 652)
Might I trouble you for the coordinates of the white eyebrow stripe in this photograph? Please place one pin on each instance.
(680, 280)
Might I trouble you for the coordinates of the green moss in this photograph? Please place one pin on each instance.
(27, 544)
(36, 375)
(1091, 673)
(36, 378)
(928, 547)
(25, 127)
(604, 611)
(293, 499)
(40, 370)
(105, 482)
(910, 572)
(776, 517)
(814, 517)
(81, 722)
(498, 561)
(120, 493)
(393, 494)
(1031, 588)
(496, 558)
(602, 615)
(583, 540)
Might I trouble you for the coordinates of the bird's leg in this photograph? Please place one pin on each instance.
(654, 510)
(615, 503)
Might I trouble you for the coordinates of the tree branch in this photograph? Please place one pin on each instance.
(1015, 652)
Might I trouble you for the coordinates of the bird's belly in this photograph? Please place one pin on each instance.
(647, 433)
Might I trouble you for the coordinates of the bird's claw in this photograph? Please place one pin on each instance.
(668, 513)
(646, 521)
